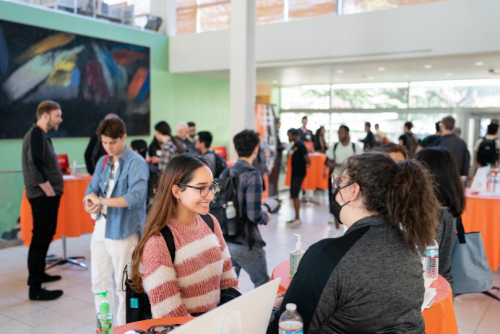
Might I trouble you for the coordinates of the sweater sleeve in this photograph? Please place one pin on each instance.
(228, 278)
(160, 280)
(37, 148)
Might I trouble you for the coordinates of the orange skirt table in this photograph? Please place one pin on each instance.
(439, 318)
(72, 219)
(314, 178)
(146, 324)
(482, 214)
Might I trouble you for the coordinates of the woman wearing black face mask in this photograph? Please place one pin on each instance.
(369, 280)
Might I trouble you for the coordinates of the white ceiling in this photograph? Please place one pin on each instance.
(456, 67)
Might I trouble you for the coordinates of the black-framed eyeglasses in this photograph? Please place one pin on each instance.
(204, 191)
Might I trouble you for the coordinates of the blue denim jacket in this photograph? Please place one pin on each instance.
(131, 183)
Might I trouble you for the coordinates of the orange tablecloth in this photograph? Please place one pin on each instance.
(146, 324)
(482, 214)
(314, 178)
(72, 220)
(439, 318)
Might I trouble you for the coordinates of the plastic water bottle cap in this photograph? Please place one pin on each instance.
(229, 203)
(291, 307)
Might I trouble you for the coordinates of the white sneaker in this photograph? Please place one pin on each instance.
(294, 223)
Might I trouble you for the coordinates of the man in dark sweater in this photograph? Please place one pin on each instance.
(455, 145)
(95, 150)
(369, 140)
(44, 186)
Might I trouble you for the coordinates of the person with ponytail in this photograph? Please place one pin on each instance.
(170, 146)
(450, 193)
(371, 279)
(202, 265)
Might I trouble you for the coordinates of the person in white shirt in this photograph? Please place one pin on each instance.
(482, 156)
(336, 156)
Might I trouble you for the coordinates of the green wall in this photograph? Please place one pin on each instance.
(174, 97)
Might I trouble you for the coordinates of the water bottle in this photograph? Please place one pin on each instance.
(430, 261)
(497, 184)
(491, 182)
(291, 321)
(231, 223)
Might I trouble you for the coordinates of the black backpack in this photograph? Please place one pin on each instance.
(487, 152)
(137, 306)
(220, 165)
(228, 193)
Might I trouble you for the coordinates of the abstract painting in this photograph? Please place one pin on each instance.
(89, 78)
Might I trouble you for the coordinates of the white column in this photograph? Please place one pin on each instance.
(242, 70)
(167, 10)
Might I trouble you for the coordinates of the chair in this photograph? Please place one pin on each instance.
(220, 150)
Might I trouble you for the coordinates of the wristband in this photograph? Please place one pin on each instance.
(100, 201)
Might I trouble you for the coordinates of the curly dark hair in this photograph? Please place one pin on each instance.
(245, 143)
(402, 192)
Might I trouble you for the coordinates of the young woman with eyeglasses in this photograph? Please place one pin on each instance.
(202, 266)
(369, 280)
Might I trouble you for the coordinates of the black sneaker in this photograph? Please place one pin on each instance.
(47, 278)
(44, 295)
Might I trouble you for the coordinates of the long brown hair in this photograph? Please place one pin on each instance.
(180, 170)
(402, 192)
(163, 128)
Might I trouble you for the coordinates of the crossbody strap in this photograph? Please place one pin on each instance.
(460, 230)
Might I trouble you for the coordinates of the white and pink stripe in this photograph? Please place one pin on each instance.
(192, 284)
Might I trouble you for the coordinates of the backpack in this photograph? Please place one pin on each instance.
(487, 152)
(337, 144)
(138, 306)
(228, 193)
(220, 165)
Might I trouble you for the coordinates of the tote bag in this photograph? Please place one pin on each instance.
(469, 267)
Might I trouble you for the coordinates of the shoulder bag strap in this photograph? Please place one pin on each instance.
(460, 230)
(169, 239)
(208, 219)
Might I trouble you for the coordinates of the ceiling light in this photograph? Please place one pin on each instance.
(427, 66)
(336, 79)
(275, 81)
(305, 81)
(479, 63)
(407, 76)
(381, 69)
(340, 71)
(370, 78)
(449, 74)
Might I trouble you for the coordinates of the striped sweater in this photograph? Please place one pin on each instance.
(201, 269)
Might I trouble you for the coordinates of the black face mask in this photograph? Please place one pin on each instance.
(336, 207)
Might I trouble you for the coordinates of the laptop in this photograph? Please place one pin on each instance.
(248, 314)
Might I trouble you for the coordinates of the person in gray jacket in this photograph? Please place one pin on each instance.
(450, 193)
(370, 280)
(44, 186)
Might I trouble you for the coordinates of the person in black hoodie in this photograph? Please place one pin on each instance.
(95, 150)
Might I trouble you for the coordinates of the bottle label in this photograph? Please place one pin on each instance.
(432, 253)
(300, 331)
(294, 263)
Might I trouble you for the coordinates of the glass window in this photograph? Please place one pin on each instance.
(361, 6)
(455, 94)
(305, 97)
(370, 96)
(214, 17)
(270, 11)
(298, 9)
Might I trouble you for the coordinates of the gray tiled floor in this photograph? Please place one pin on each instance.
(74, 311)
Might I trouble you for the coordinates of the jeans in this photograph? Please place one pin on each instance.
(108, 259)
(44, 210)
(252, 261)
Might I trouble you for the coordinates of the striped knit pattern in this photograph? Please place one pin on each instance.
(192, 284)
